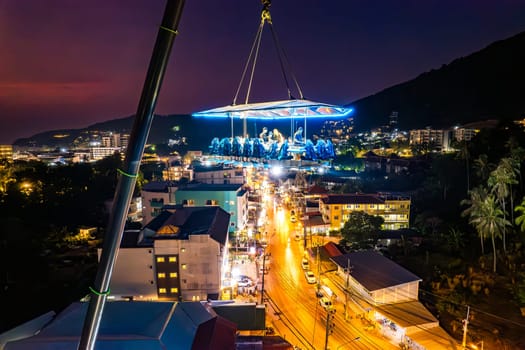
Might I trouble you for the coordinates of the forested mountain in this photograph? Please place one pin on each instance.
(487, 84)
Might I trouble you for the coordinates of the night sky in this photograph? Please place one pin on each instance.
(69, 64)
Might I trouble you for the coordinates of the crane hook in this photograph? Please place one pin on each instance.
(265, 14)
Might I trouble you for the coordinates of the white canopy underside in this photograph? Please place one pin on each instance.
(277, 110)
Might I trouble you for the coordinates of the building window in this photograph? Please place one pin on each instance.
(174, 290)
(173, 275)
(161, 275)
(336, 217)
(336, 207)
(172, 259)
(162, 290)
(160, 259)
(184, 266)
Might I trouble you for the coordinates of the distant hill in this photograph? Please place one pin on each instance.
(198, 131)
(487, 84)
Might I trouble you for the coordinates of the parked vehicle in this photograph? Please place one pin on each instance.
(326, 303)
(305, 264)
(310, 277)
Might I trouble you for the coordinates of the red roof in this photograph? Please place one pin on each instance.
(316, 189)
(332, 249)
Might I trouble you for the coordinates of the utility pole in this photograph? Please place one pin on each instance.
(318, 270)
(263, 273)
(330, 315)
(465, 326)
(346, 288)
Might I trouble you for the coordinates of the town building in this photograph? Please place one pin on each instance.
(128, 325)
(435, 139)
(219, 174)
(233, 198)
(155, 195)
(464, 134)
(387, 294)
(6, 152)
(181, 254)
(394, 209)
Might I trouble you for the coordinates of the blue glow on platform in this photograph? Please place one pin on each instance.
(286, 109)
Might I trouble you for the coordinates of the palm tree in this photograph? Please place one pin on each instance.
(518, 155)
(483, 167)
(475, 203)
(455, 239)
(491, 222)
(520, 220)
(500, 181)
(512, 168)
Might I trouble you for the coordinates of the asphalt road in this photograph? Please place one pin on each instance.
(293, 307)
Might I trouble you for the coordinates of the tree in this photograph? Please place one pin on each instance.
(361, 226)
(491, 222)
(520, 220)
(455, 239)
(6, 176)
(475, 209)
(483, 167)
(511, 167)
(500, 181)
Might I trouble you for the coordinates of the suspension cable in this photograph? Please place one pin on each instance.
(254, 52)
(256, 40)
(282, 54)
(254, 63)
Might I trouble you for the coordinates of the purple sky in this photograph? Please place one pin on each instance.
(69, 64)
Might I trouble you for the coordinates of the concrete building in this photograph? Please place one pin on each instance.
(98, 153)
(437, 139)
(155, 195)
(6, 152)
(219, 174)
(394, 209)
(179, 255)
(464, 134)
(233, 198)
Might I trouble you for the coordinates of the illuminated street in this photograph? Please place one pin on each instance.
(294, 310)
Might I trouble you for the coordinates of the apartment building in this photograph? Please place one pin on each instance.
(180, 255)
(394, 209)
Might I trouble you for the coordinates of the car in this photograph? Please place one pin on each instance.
(297, 237)
(310, 277)
(326, 303)
(293, 219)
(305, 264)
(244, 282)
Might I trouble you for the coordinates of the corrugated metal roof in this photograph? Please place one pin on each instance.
(374, 271)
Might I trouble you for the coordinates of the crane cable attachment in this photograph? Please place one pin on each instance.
(254, 52)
